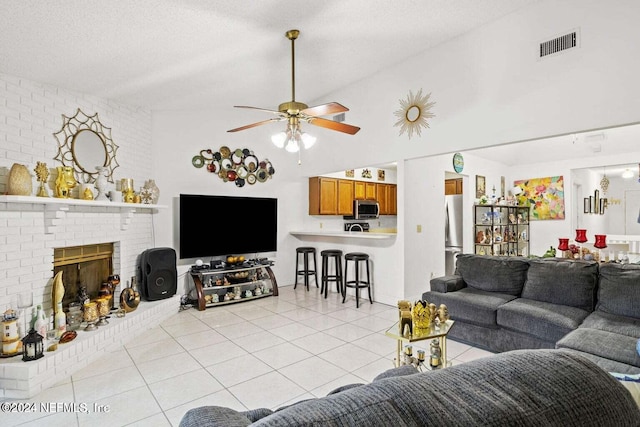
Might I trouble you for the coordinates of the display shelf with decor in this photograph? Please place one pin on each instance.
(501, 230)
(234, 282)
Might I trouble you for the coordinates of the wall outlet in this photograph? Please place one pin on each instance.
(419, 228)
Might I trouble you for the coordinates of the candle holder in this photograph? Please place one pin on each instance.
(601, 241)
(581, 235)
(563, 245)
(103, 310)
(90, 316)
(32, 346)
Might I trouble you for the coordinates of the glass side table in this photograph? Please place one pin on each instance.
(434, 331)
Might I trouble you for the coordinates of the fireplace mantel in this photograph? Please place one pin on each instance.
(56, 208)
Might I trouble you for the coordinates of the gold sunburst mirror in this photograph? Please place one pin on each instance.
(413, 113)
(84, 143)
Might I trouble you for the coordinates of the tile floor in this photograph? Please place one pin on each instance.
(263, 353)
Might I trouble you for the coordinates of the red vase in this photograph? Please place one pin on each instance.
(563, 245)
(601, 241)
(581, 235)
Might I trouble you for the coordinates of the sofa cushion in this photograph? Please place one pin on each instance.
(471, 305)
(628, 326)
(619, 289)
(493, 273)
(605, 344)
(541, 319)
(562, 281)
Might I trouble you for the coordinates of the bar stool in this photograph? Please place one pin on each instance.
(328, 255)
(357, 283)
(306, 271)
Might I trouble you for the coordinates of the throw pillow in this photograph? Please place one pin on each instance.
(631, 383)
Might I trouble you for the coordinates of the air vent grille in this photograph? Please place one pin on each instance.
(559, 44)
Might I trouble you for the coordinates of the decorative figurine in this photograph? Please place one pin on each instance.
(65, 182)
(42, 172)
(421, 315)
(19, 181)
(406, 322)
(101, 183)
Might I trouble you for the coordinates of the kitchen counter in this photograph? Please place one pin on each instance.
(346, 234)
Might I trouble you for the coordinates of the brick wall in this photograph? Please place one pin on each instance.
(30, 113)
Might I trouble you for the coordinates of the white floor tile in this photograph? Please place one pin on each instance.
(204, 338)
(267, 391)
(238, 370)
(259, 341)
(373, 369)
(114, 360)
(107, 384)
(217, 353)
(282, 355)
(300, 314)
(305, 372)
(123, 409)
(292, 331)
(221, 318)
(183, 328)
(377, 343)
(179, 390)
(252, 312)
(317, 343)
(272, 321)
(151, 336)
(322, 323)
(156, 350)
(348, 332)
(157, 420)
(373, 323)
(349, 357)
(238, 330)
(167, 367)
(347, 314)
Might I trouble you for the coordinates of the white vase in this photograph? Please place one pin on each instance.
(101, 184)
(150, 192)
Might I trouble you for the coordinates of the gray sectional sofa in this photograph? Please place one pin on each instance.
(509, 303)
(523, 388)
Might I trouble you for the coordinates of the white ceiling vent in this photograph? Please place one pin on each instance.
(559, 44)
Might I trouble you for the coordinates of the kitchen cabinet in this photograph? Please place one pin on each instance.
(452, 186)
(330, 196)
(334, 196)
(345, 197)
(501, 230)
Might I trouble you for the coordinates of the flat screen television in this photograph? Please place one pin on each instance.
(223, 225)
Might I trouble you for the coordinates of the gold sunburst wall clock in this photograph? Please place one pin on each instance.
(414, 112)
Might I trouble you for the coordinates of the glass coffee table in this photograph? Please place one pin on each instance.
(433, 332)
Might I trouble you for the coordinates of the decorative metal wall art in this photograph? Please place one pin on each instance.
(84, 144)
(239, 166)
(413, 113)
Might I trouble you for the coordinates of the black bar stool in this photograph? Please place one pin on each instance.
(357, 283)
(328, 255)
(306, 271)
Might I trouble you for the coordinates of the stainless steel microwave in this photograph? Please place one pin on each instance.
(366, 209)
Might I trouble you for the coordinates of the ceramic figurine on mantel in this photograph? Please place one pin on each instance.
(101, 183)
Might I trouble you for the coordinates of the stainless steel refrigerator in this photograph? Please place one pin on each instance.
(453, 231)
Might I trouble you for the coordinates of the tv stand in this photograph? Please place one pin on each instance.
(247, 276)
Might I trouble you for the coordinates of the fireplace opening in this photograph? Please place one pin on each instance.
(86, 266)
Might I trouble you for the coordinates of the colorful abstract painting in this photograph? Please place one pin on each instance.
(544, 195)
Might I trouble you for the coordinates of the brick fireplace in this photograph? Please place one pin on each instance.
(86, 232)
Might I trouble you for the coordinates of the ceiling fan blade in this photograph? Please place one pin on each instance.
(252, 125)
(330, 124)
(324, 109)
(257, 108)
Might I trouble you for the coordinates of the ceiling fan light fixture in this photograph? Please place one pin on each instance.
(307, 140)
(292, 146)
(627, 174)
(279, 139)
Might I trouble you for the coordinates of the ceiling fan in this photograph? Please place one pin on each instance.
(295, 112)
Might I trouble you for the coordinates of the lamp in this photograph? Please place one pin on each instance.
(32, 346)
(293, 137)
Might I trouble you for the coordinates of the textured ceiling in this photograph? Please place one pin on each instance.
(192, 54)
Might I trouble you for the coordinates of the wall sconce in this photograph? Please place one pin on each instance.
(33, 347)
